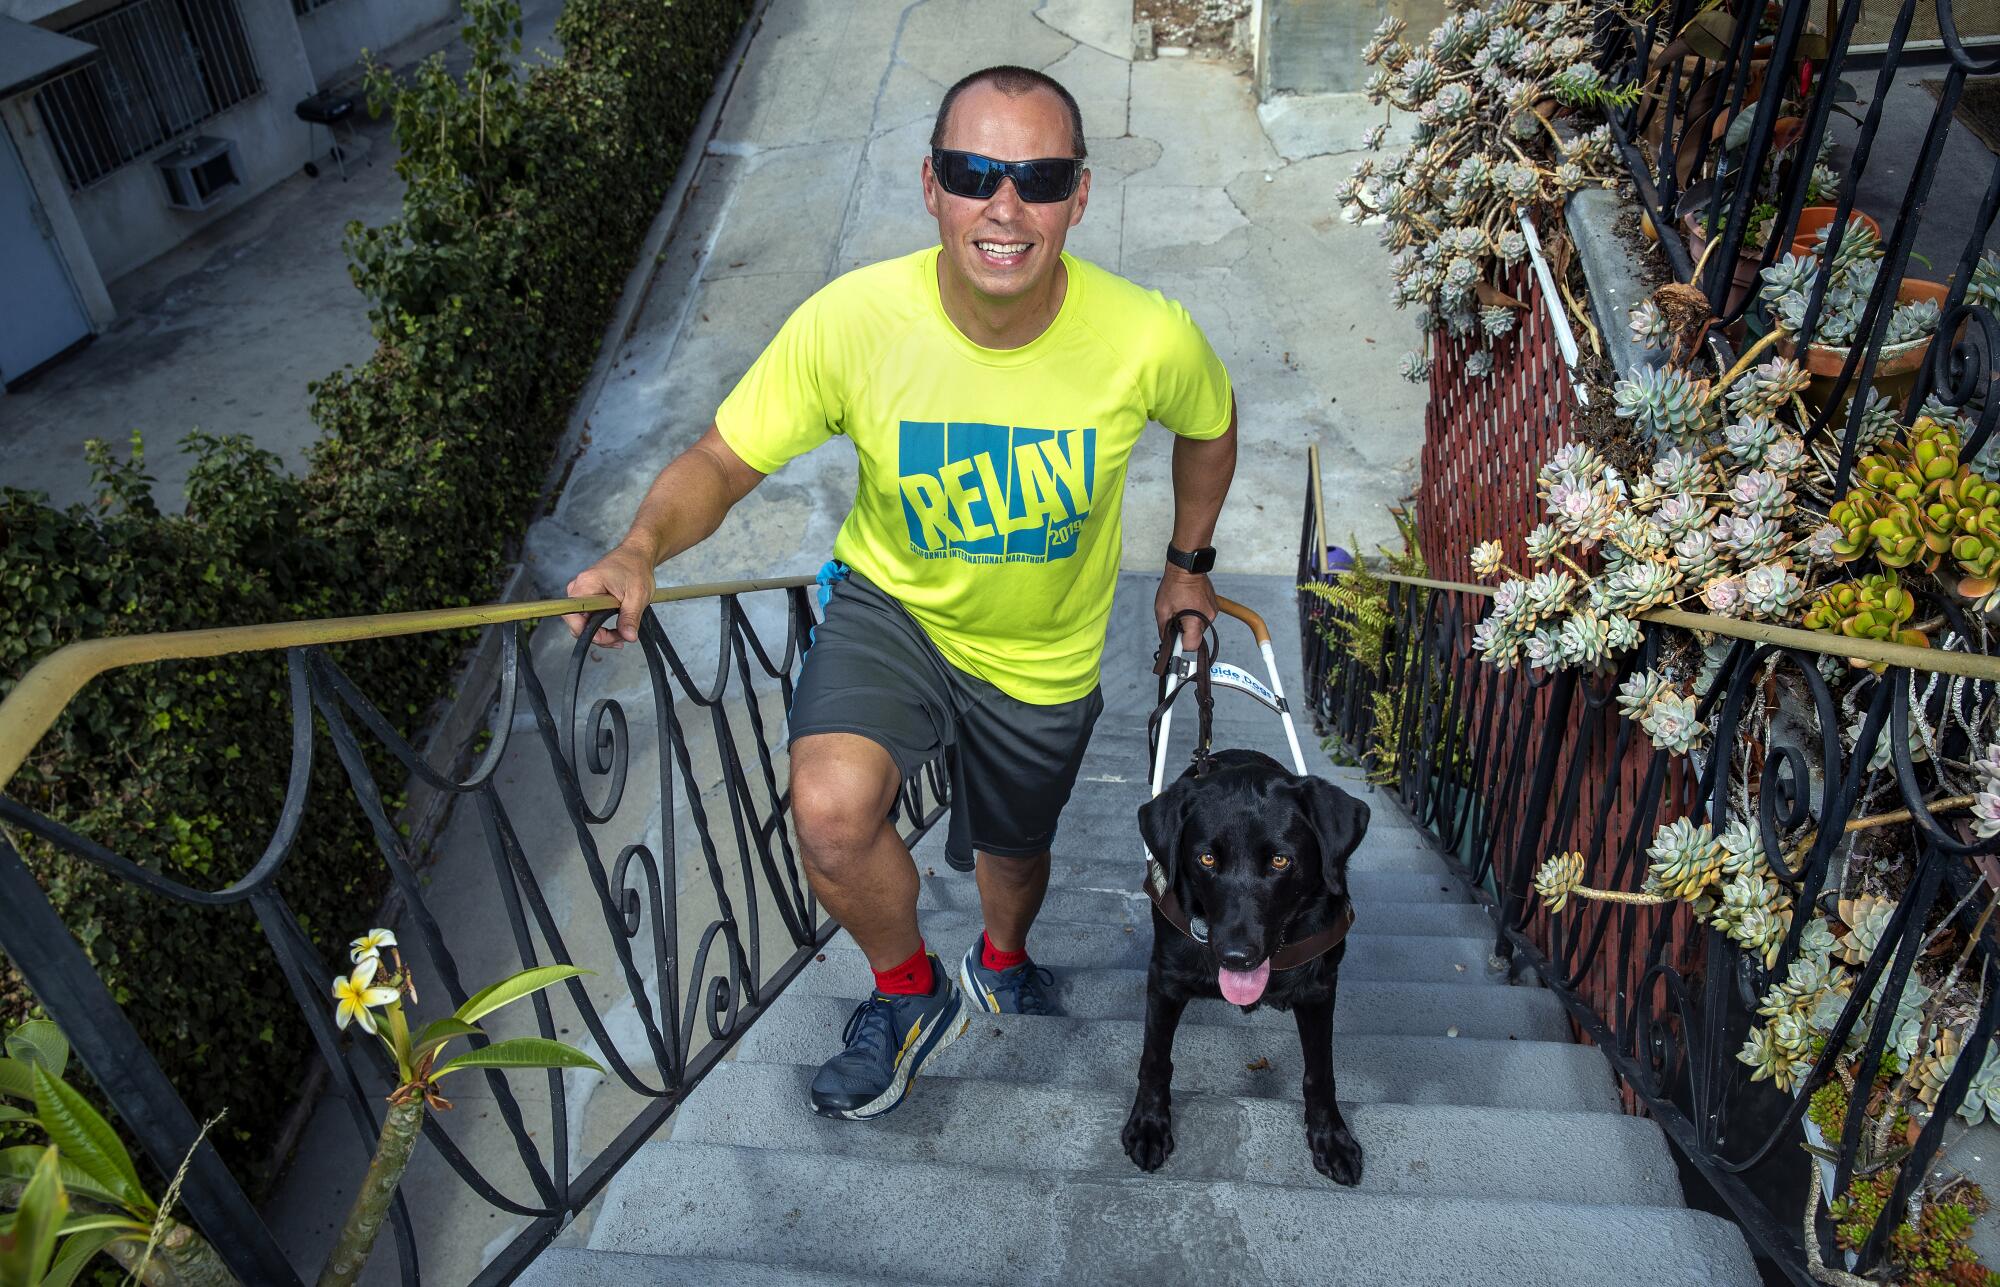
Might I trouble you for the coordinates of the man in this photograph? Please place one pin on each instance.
(993, 389)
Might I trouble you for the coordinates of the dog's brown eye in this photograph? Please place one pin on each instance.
(1280, 862)
(1208, 860)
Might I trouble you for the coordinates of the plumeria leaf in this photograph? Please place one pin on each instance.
(18, 1163)
(77, 1253)
(39, 1041)
(436, 1033)
(87, 1140)
(522, 1052)
(94, 1221)
(506, 991)
(11, 1114)
(17, 1079)
(30, 1242)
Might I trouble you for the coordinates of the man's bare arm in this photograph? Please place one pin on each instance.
(683, 507)
(1203, 469)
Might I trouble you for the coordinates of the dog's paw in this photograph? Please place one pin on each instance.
(1148, 1137)
(1335, 1152)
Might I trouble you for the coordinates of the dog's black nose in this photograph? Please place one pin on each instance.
(1237, 958)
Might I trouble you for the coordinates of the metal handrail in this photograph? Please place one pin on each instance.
(35, 703)
(1970, 665)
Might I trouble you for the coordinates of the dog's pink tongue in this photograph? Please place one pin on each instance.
(1241, 987)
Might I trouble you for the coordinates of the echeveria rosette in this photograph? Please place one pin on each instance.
(1671, 723)
(1687, 859)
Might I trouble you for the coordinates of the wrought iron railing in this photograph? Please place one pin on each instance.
(1504, 768)
(1737, 101)
(690, 1006)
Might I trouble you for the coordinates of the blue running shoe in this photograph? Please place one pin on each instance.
(889, 1040)
(1024, 989)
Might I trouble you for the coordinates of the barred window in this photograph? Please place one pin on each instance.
(164, 67)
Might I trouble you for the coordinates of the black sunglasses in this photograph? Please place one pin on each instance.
(968, 174)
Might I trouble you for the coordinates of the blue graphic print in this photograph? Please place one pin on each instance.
(995, 493)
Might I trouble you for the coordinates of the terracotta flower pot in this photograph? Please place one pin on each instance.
(1896, 365)
(1742, 279)
(1813, 218)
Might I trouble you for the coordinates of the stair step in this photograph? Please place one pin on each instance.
(949, 890)
(577, 1267)
(811, 1212)
(1427, 958)
(1392, 1008)
(805, 1029)
(1427, 1150)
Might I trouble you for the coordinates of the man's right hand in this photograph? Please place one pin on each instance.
(627, 575)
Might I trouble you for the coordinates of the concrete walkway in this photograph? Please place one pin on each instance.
(813, 171)
(223, 332)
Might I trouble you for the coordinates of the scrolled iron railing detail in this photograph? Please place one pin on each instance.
(688, 1007)
(1547, 795)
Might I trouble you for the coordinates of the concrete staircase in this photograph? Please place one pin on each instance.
(1495, 1149)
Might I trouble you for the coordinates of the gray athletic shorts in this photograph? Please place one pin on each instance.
(871, 670)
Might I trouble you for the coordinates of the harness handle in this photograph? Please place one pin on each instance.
(1166, 662)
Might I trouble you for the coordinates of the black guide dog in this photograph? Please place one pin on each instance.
(1259, 854)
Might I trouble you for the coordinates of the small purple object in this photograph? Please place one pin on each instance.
(1338, 559)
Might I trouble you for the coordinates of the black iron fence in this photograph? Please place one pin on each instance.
(1506, 768)
(698, 920)
(1761, 123)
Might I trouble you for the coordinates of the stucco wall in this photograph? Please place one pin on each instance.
(1314, 46)
(335, 33)
(125, 216)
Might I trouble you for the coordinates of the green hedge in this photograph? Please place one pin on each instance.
(527, 197)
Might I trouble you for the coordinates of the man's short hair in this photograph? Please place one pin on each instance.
(1013, 82)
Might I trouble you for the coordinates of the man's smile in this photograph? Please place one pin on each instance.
(1002, 254)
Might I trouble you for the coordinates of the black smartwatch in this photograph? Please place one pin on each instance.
(1195, 561)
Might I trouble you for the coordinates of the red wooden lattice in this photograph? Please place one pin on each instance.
(1485, 438)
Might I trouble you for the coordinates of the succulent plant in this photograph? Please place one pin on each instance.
(1745, 850)
(1415, 367)
(1867, 919)
(1675, 470)
(1768, 1060)
(1498, 640)
(1623, 632)
(1670, 721)
(1767, 387)
(1510, 602)
(1479, 363)
(1982, 1097)
(1762, 493)
(1543, 541)
(1650, 328)
(1687, 859)
(1639, 691)
(1912, 320)
(1419, 78)
(1771, 591)
(1543, 649)
(1584, 513)
(1724, 596)
(1497, 321)
(1874, 607)
(1576, 463)
(1785, 456)
(1664, 402)
(1557, 878)
(1486, 559)
(1583, 640)
(1548, 593)
(1751, 538)
(1749, 438)
(1700, 559)
(1638, 586)
(1513, 247)
(1859, 243)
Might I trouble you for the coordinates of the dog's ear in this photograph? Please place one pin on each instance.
(1161, 820)
(1338, 822)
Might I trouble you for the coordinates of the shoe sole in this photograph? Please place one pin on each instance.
(954, 1025)
(974, 989)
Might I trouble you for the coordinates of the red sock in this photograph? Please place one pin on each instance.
(911, 978)
(994, 959)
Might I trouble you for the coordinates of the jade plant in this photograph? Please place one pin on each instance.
(1917, 504)
(367, 999)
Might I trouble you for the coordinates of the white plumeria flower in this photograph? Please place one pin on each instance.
(355, 994)
(369, 946)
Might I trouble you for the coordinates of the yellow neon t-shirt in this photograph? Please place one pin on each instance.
(991, 479)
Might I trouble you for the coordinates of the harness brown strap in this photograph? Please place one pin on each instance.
(1288, 956)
